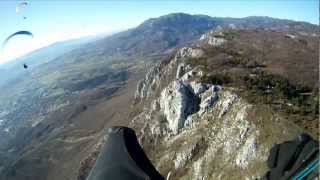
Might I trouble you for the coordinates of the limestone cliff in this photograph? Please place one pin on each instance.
(196, 130)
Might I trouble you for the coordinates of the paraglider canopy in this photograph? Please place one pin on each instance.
(20, 6)
(25, 33)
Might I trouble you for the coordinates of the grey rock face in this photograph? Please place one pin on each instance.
(214, 38)
(204, 131)
(190, 52)
(145, 85)
(198, 88)
(209, 98)
(161, 75)
(177, 102)
(182, 69)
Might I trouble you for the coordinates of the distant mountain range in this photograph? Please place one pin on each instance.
(156, 35)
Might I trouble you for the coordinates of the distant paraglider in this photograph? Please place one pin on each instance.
(20, 6)
(26, 33)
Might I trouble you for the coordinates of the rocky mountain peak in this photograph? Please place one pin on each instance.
(177, 19)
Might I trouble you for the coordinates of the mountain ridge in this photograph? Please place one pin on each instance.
(201, 115)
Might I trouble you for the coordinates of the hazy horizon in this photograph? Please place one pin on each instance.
(58, 21)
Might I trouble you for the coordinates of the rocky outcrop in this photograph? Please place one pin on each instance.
(198, 88)
(194, 130)
(209, 98)
(214, 38)
(177, 102)
(162, 74)
(189, 52)
(182, 69)
(144, 87)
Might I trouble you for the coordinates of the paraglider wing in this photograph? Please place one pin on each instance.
(20, 6)
(27, 33)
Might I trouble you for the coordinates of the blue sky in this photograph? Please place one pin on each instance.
(58, 20)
